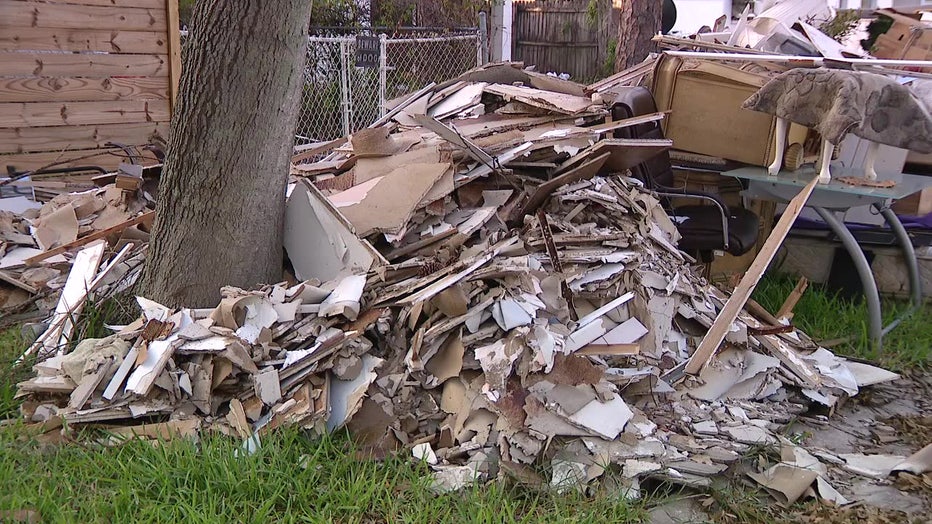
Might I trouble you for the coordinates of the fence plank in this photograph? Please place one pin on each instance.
(28, 38)
(35, 139)
(86, 65)
(16, 13)
(151, 4)
(29, 161)
(174, 47)
(82, 113)
(65, 89)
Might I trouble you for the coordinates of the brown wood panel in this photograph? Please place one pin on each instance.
(151, 4)
(64, 89)
(17, 13)
(29, 161)
(28, 38)
(558, 36)
(174, 47)
(34, 139)
(39, 114)
(92, 65)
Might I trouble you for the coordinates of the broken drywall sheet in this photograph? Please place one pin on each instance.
(606, 419)
(389, 203)
(57, 228)
(346, 395)
(918, 463)
(558, 102)
(448, 361)
(344, 300)
(496, 360)
(731, 373)
(156, 357)
(785, 483)
(874, 466)
(628, 332)
(320, 242)
(867, 375)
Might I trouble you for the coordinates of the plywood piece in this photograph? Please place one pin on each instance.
(389, 204)
(39, 114)
(742, 292)
(88, 65)
(33, 14)
(28, 38)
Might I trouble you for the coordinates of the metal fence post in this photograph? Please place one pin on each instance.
(344, 86)
(383, 72)
(483, 43)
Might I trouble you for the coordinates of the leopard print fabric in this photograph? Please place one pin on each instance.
(837, 102)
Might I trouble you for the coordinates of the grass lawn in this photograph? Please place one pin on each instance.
(826, 317)
(296, 479)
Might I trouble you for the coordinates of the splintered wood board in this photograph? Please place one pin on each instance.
(742, 292)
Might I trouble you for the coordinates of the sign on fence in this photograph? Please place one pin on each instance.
(367, 51)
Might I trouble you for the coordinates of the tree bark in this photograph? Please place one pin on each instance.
(221, 203)
(640, 21)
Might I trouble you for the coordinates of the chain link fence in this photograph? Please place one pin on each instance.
(340, 98)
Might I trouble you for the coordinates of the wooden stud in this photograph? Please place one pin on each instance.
(742, 292)
(174, 49)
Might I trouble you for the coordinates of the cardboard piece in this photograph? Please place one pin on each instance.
(387, 205)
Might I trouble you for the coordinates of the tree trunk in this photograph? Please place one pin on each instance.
(221, 203)
(640, 21)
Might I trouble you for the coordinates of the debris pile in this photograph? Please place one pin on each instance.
(479, 281)
(34, 239)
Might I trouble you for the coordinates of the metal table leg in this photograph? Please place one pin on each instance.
(912, 265)
(864, 271)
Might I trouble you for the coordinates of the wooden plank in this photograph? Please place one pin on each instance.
(82, 113)
(174, 48)
(17, 13)
(28, 38)
(786, 310)
(108, 159)
(36, 139)
(86, 65)
(104, 233)
(742, 292)
(151, 4)
(74, 89)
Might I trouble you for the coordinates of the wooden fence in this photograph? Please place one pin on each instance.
(566, 36)
(76, 74)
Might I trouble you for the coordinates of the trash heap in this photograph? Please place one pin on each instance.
(480, 282)
(35, 239)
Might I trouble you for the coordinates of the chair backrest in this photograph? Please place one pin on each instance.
(638, 101)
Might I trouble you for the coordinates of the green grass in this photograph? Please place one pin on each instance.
(824, 316)
(11, 346)
(181, 481)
